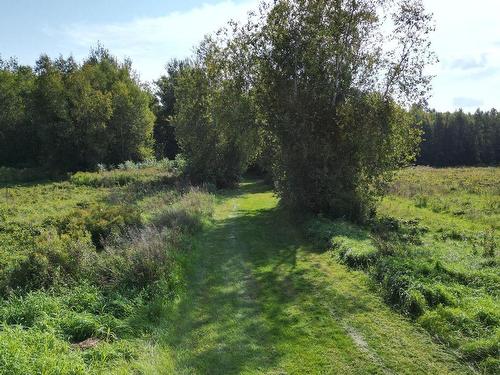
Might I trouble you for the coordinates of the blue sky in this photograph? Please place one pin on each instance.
(151, 32)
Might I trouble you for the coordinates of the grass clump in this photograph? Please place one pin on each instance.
(32, 352)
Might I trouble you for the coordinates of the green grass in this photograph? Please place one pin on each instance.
(434, 250)
(251, 293)
(460, 207)
(96, 257)
(260, 300)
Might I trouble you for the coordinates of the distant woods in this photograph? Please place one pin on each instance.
(66, 116)
(306, 92)
(458, 138)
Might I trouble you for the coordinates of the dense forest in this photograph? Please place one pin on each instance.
(66, 116)
(459, 139)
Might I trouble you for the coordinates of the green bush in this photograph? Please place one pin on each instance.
(126, 176)
(101, 221)
(13, 175)
(188, 213)
(52, 259)
(141, 260)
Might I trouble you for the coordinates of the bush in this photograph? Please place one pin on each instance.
(101, 221)
(188, 213)
(141, 259)
(13, 175)
(52, 259)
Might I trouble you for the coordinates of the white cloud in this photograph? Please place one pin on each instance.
(467, 43)
(152, 42)
(467, 102)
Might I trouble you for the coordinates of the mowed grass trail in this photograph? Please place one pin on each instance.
(260, 300)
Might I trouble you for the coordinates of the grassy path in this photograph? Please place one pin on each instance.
(261, 301)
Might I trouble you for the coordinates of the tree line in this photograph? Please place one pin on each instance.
(459, 139)
(66, 116)
(310, 92)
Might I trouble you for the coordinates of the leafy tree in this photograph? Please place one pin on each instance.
(164, 132)
(17, 142)
(330, 93)
(129, 131)
(50, 114)
(65, 116)
(215, 117)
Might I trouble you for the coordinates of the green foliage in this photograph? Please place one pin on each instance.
(31, 352)
(187, 213)
(101, 222)
(458, 138)
(257, 285)
(67, 116)
(15, 175)
(150, 172)
(330, 99)
(164, 132)
(214, 115)
(16, 128)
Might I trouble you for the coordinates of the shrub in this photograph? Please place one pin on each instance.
(101, 221)
(188, 213)
(124, 176)
(53, 258)
(13, 175)
(138, 261)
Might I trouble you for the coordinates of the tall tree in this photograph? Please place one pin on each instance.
(18, 142)
(164, 132)
(215, 118)
(330, 92)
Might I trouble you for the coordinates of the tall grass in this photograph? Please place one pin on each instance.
(80, 285)
(434, 250)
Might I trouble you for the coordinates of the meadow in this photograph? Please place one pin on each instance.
(433, 251)
(132, 270)
(87, 264)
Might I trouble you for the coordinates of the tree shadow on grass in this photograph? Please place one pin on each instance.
(245, 278)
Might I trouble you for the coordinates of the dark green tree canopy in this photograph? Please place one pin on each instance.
(68, 116)
(330, 80)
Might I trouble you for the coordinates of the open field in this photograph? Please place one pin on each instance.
(87, 264)
(122, 272)
(434, 250)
